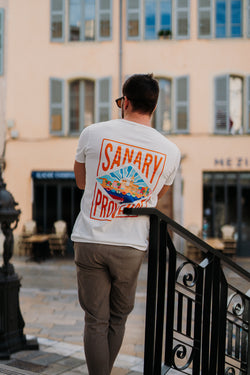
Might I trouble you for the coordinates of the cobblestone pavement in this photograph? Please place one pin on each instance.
(50, 308)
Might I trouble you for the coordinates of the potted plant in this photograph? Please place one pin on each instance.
(165, 34)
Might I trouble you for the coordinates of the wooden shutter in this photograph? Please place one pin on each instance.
(57, 20)
(56, 106)
(1, 39)
(205, 19)
(221, 107)
(181, 105)
(105, 19)
(103, 99)
(182, 19)
(133, 19)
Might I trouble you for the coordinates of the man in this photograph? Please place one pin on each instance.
(119, 163)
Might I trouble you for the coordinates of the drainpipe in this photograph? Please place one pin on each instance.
(120, 49)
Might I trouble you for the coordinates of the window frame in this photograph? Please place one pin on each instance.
(245, 103)
(174, 20)
(174, 106)
(212, 9)
(2, 41)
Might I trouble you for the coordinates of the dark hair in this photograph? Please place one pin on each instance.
(143, 91)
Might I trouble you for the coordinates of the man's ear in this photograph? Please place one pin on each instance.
(154, 108)
(126, 102)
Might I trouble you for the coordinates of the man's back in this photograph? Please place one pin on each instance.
(127, 164)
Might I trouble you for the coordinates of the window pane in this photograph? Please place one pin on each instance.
(165, 14)
(104, 114)
(57, 26)
(205, 3)
(236, 18)
(74, 117)
(89, 103)
(182, 3)
(56, 119)
(182, 24)
(104, 4)
(104, 91)
(89, 12)
(150, 19)
(105, 25)
(205, 25)
(236, 104)
(133, 25)
(133, 4)
(162, 115)
(56, 92)
(181, 118)
(75, 19)
(57, 5)
(220, 19)
(182, 89)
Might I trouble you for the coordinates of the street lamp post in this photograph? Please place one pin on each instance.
(12, 338)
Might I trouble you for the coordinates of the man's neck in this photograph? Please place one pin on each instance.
(138, 118)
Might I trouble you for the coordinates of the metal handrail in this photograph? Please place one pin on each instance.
(189, 236)
(202, 325)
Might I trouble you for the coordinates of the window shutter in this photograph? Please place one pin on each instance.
(181, 105)
(103, 99)
(182, 19)
(221, 108)
(133, 19)
(205, 19)
(104, 23)
(248, 105)
(57, 20)
(1, 39)
(56, 106)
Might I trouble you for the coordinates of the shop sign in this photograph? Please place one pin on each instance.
(237, 162)
(53, 175)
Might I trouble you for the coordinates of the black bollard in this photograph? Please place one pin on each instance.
(12, 338)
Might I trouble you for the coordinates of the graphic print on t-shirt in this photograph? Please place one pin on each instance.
(126, 177)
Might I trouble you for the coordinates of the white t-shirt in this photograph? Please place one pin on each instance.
(127, 164)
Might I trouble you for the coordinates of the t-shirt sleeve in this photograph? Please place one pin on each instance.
(171, 176)
(82, 146)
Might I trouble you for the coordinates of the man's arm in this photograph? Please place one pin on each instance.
(80, 174)
(163, 191)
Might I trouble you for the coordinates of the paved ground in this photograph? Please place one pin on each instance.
(49, 305)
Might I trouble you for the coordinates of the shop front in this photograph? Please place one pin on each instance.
(226, 200)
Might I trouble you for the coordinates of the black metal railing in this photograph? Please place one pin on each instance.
(197, 315)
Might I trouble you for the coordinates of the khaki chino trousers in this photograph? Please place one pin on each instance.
(107, 278)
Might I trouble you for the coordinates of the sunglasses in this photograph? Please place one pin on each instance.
(119, 101)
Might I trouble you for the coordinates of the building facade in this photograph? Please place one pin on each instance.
(62, 64)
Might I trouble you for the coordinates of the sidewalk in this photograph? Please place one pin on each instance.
(50, 308)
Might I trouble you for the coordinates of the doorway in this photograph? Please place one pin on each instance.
(226, 200)
(55, 197)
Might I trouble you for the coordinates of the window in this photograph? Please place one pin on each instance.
(88, 20)
(172, 112)
(157, 15)
(81, 105)
(1, 39)
(229, 105)
(89, 101)
(220, 18)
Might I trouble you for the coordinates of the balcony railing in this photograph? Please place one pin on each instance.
(197, 322)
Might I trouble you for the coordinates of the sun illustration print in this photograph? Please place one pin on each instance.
(125, 185)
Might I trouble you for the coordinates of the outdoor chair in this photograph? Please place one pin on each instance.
(230, 244)
(58, 240)
(29, 228)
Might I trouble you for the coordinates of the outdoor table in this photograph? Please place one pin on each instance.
(216, 243)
